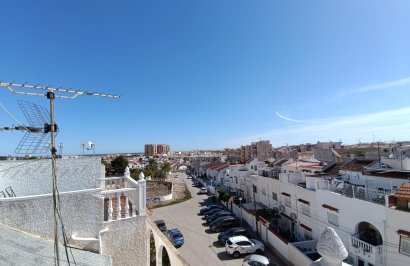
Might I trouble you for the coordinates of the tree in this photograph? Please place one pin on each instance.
(119, 164)
(166, 168)
(135, 174)
(107, 167)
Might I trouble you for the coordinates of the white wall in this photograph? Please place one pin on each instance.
(29, 178)
(396, 220)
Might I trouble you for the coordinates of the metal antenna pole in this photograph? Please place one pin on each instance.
(51, 97)
(52, 129)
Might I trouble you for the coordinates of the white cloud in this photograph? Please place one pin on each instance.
(289, 119)
(380, 86)
(385, 125)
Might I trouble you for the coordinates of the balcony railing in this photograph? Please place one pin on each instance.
(118, 204)
(366, 250)
(352, 191)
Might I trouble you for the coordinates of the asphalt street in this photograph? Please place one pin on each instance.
(201, 245)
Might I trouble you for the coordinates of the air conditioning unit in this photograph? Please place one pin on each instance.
(293, 216)
(281, 208)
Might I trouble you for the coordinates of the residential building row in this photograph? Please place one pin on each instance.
(367, 203)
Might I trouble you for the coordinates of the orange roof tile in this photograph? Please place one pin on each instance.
(403, 192)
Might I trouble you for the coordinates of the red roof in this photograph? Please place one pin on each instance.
(304, 201)
(403, 192)
(330, 207)
(403, 233)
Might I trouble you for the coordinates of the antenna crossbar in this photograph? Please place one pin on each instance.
(71, 94)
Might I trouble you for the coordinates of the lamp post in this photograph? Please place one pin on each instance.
(240, 205)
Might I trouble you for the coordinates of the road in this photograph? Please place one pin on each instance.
(201, 245)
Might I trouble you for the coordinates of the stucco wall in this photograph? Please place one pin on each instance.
(33, 177)
(396, 220)
(125, 241)
(82, 214)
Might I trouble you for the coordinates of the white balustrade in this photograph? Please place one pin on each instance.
(365, 250)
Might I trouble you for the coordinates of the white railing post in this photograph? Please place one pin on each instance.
(134, 210)
(127, 206)
(110, 209)
(118, 206)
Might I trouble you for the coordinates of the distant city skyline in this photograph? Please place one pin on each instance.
(210, 75)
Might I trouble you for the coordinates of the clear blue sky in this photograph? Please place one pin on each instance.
(212, 74)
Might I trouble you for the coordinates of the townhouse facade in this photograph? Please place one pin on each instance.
(365, 202)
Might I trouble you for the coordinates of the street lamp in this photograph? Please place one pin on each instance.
(240, 205)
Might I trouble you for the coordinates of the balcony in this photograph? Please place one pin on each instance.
(123, 198)
(372, 254)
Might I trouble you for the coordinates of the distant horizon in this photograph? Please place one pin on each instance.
(274, 147)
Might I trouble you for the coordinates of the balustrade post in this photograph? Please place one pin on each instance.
(134, 210)
(118, 206)
(110, 209)
(127, 207)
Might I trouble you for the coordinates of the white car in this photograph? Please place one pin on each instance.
(238, 245)
(259, 260)
(203, 190)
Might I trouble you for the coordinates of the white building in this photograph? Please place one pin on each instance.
(104, 218)
(308, 199)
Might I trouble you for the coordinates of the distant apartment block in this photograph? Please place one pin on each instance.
(156, 149)
(261, 150)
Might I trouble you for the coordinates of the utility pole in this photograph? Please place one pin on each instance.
(256, 213)
(52, 129)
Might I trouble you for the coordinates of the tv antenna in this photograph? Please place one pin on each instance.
(36, 139)
(51, 94)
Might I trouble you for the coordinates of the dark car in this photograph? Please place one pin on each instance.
(217, 215)
(224, 223)
(161, 225)
(212, 212)
(208, 208)
(236, 231)
(175, 236)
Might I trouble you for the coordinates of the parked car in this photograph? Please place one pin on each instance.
(161, 225)
(203, 190)
(176, 237)
(236, 231)
(212, 212)
(209, 207)
(253, 259)
(224, 223)
(217, 215)
(238, 245)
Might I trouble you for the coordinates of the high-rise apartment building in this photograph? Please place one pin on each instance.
(156, 149)
(263, 150)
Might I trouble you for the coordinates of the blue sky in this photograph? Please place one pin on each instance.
(211, 74)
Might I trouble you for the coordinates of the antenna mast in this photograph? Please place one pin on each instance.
(52, 128)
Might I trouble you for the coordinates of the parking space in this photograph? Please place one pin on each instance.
(201, 246)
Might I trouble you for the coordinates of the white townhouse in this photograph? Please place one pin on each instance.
(309, 196)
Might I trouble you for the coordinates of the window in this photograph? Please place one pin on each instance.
(256, 167)
(305, 209)
(332, 219)
(405, 245)
(287, 201)
(236, 179)
(264, 191)
(274, 196)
